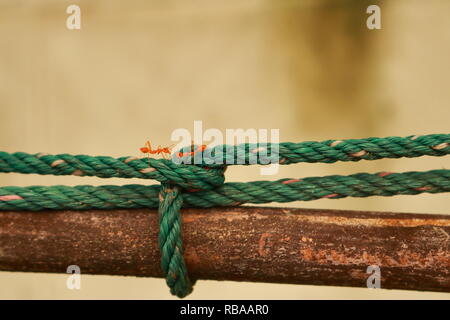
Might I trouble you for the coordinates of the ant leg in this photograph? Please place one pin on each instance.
(149, 146)
(164, 152)
(169, 148)
(158, 150)
(161, 152)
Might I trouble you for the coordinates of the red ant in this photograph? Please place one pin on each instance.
(192, 152)
(162, 151)
(166, 151)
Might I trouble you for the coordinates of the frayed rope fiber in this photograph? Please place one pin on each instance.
(203, 185)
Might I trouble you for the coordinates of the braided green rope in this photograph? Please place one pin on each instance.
(202, 184)
(130, 196)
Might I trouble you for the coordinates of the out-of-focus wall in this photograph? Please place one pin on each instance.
(138, 69)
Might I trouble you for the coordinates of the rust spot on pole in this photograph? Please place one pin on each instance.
(263, 242)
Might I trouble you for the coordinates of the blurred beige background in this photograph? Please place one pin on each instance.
(139, 69)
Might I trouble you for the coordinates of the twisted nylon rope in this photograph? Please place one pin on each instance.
(203, 185)
(130, 196)
(170, 241)
(189, 176)
(330, 151)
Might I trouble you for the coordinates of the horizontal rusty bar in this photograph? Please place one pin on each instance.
(263, 244)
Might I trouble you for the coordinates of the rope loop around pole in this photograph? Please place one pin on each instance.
(170, 241)
(170, 230)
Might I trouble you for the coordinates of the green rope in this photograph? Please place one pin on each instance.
(170, 241)
(162, 170)
(202, 185)
(130, 196)
(188, 176)
(330, 151)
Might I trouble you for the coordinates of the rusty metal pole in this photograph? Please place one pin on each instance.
(303, 246)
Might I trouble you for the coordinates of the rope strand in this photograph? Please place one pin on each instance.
(170, 241)
(192, 176)
(130, 196)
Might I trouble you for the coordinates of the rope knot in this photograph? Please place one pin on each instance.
(186, 176)
(179, 177)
